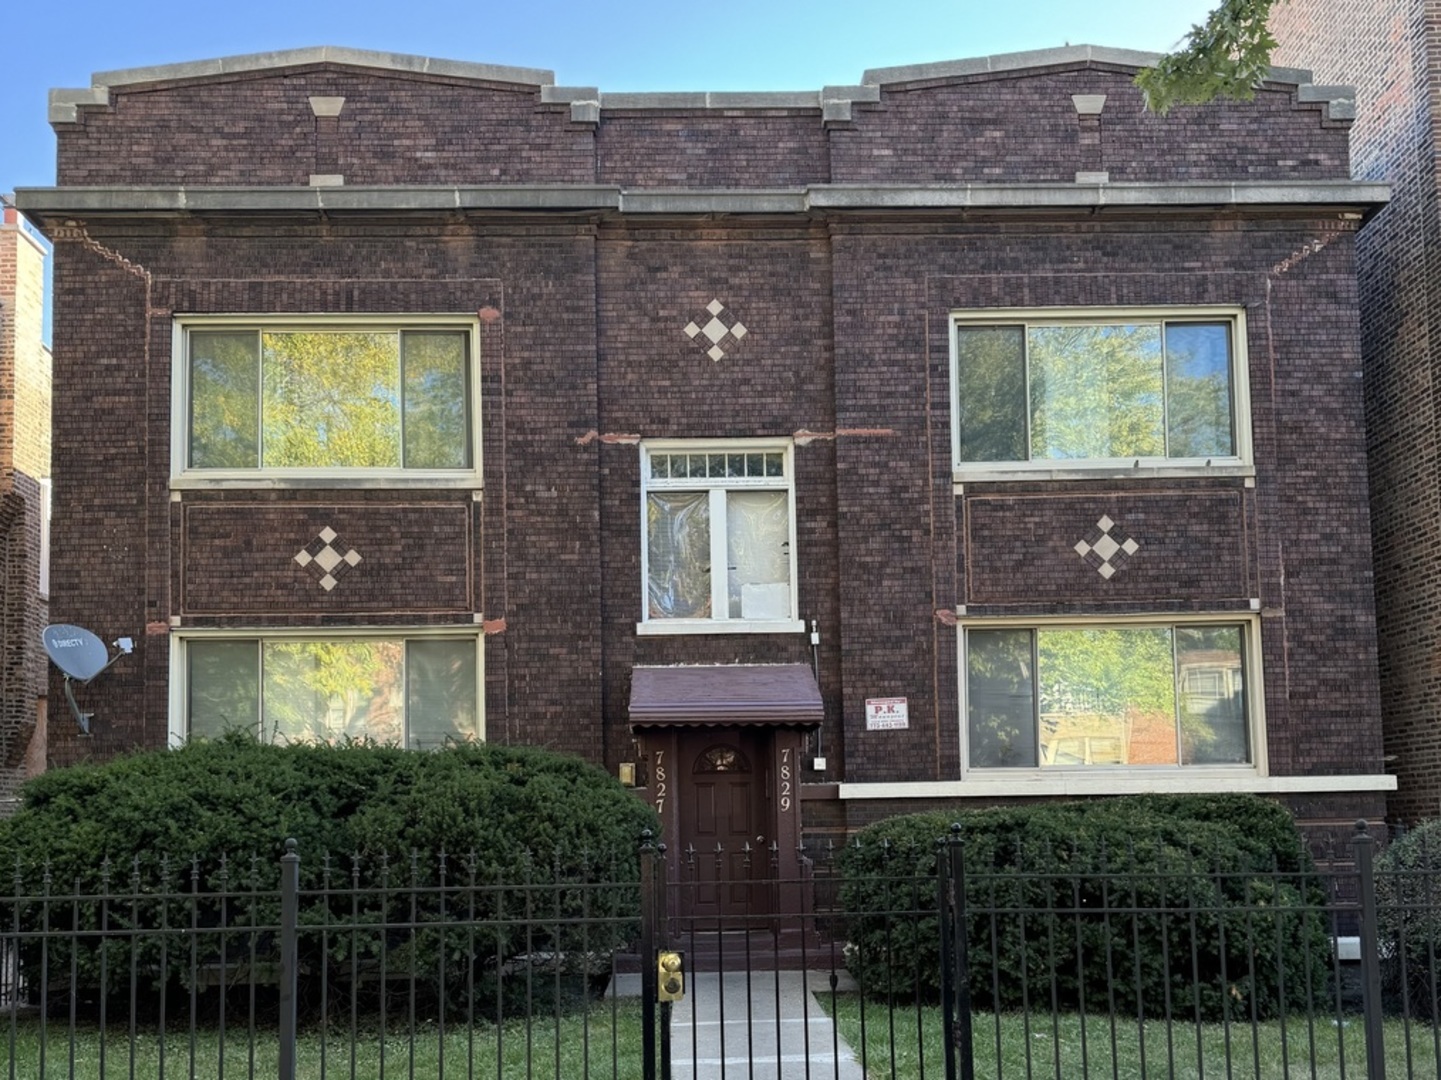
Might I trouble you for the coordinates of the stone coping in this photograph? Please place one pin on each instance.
(833, 102)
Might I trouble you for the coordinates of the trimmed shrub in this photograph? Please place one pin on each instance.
(1408, 909)
(379, 830)
(1181, 905)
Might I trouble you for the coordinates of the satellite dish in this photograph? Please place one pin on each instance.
(75, 651)
(81, 656)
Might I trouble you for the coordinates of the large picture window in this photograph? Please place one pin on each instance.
(1067, 390)
(718, 521)
(326, 398)
(1075, 696)
(419, 692)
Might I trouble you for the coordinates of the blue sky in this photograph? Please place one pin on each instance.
(624, 45)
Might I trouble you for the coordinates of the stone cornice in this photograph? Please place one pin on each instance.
(818, 199)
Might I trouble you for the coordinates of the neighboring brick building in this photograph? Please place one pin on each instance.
(24, 475)
(427, 399)
(1388, 50)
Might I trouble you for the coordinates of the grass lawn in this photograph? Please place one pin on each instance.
(605, 1044)
(1007, 1046)
(599, 1044)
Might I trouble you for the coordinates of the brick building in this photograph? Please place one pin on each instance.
(964, 435)
(1387, 50)
(24, 480)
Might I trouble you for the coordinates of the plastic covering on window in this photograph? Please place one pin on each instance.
(758, 554)
(678, 555)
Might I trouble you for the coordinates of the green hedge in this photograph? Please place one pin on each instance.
(1058, 898)
(215, 815)
(1408, 906)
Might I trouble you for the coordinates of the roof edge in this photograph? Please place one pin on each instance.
(1033, 58)
(586, 102)
(64, 101)
(1014, 61)
(1340, 101)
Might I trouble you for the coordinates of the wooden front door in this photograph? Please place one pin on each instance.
(724, 820)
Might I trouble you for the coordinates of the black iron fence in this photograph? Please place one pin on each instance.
(309, 966)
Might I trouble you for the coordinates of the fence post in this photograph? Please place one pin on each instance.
(289, 960)
(662, 941)
(955, 961)
(1365, 847)
(649, 976)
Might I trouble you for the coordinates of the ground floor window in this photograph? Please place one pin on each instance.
(1108, 694)
(415, 691)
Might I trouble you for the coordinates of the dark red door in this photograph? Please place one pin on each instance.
(724, 828)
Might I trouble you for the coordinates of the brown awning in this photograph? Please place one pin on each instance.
(690, 696)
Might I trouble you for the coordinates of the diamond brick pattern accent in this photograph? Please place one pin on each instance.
(716, 326)
(324, 555)
(1103, 551)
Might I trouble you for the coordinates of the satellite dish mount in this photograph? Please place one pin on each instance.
(81, 657)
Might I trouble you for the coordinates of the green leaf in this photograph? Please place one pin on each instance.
(1226, 56)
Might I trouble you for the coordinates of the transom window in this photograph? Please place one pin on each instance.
(1066, 390)
(326, 398)
(718, 521)
(1071, 696)
(418, 692)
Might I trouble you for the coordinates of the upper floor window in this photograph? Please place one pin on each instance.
(1152, 692)
(326, 398)
(718, 528)
(1064, 391)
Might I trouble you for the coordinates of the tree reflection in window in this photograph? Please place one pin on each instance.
(420, 692)
(722, 759)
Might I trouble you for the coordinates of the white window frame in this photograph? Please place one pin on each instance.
(179, 696)
(1192, 777)
(182, 475)
(1240, 463)
(47, 497)
(720, 623)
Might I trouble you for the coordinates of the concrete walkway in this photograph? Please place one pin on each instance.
(756, 1027)
(760, 1027)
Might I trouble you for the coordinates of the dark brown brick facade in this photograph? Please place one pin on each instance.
(1387, 50)
(261, 130)
(1020, 550)
(241, 558)
(583, 354)
(988, 128)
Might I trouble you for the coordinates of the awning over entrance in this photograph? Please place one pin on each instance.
(783, 695)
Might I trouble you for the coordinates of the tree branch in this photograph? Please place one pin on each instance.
(1226, 56)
